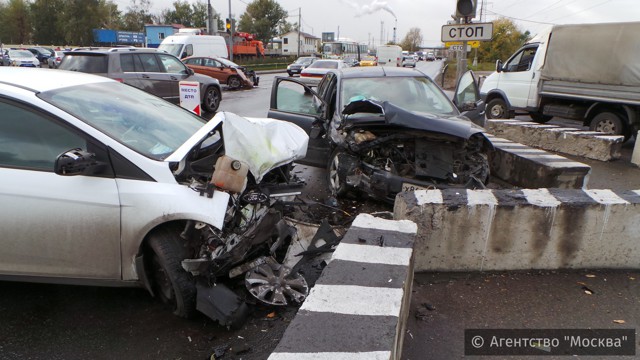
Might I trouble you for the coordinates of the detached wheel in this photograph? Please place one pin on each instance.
(609, 123)
(336, 180)
(234, 82)
(539, 118)
(172, 284)
(212, 97)
(497, 109)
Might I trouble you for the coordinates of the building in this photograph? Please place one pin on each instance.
(155, 33)
(309, 44)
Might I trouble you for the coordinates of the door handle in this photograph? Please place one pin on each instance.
(145, 76)
(533, 75)
(174, 78)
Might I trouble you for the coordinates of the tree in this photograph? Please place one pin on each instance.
(194, 15)
(262, 18)
(137, 15)
(79, 18)
(507, 38)
(412, 40)
(17, 22)
(286, 27)
(45, 14)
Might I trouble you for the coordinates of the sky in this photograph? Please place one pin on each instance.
(365, 20)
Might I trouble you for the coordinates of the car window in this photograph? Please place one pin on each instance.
(140, 121)
(211, 63)
(89, 63)
(521, 61)
(30, 140)
(172, 64)
(150, 63)
(194, 61)
(292, 97)
(418, 94)
(127, 63)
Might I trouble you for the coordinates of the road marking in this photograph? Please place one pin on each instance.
(354, 300)
(605, 197)
(540, 197)
(373, 355)
(481, 197)
(428, 197)
(373, 254)
(367, 221)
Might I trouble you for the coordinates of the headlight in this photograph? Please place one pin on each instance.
(288, 67)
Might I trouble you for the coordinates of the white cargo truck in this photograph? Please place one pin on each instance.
(585, 72)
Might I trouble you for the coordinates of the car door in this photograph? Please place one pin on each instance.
(54, 225)
(154, 79)
(517, 77)
(467, 98)
(174, 71)
(295, 102)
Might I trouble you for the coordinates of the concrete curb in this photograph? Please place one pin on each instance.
(526, 167)
(359, 305)
(482, 230)
(589, 144)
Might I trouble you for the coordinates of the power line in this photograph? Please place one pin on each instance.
(545, 8)
(514, 18)
(583, 10)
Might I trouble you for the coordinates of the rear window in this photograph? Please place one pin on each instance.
(87, 63)
(324, 64)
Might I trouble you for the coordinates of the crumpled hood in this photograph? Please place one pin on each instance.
(397, 116)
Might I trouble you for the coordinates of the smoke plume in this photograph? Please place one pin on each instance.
(375, 6)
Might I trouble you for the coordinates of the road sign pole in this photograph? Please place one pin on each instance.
(462, 57)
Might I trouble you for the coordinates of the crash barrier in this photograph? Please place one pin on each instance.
(571, 141)
(359, 305)
(478, 230)
(526, 167)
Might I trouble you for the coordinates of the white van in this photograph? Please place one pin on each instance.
(389, 55)
(183, 45)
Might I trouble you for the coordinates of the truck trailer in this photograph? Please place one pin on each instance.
(585, 72)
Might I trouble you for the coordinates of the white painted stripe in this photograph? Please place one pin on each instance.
(579, 132)
(372, 355)
(428, 197)
(481, 197)
(533, 151)
(367, 221)
(605, 197)
(563, 129)
(373, 254)
(566, 164)
(540, 197)
(354, 300)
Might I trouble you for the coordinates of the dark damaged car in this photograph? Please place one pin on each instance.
(104, 184)
(386, 130)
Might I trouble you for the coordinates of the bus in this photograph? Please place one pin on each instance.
(343, 50)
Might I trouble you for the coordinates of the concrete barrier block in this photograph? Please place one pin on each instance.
(526, 167)
(476, 230)
(359, 305)
(589, 144)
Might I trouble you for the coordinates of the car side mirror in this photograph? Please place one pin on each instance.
(190, 71)
(498, 65)
(76, 162)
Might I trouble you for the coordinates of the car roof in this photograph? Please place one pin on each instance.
(39, 80)
(376, 71)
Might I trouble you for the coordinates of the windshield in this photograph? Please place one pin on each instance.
(20, 54)
(303, 61)
(140, 121)
(173, 49)
(324, 64)
(417, 94)
(227, 62)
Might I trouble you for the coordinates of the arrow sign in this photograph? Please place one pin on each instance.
(466, 32)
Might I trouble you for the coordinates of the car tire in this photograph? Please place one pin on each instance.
(539, 118)
(337, 185)
(610, 123)
(211, 100)
(290, 74)
(234, 82)
(497, 109)
(170, 282)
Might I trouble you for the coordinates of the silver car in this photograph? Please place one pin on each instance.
(54, 61)
(22, 58)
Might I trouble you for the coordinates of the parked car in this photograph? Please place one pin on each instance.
(386, 130)
(42, 54)
(369, 61)
(408, 61)
(4, 58)
(227, 72)
(54, 61)
(313, 73)
(106, 185)
(351, 62)
(151, 70)
(300, 64)
(22, 58)
(431, 57)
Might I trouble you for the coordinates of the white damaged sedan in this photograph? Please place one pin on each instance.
(104, 184)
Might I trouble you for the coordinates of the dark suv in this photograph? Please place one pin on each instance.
(153, 71)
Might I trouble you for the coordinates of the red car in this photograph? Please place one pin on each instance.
(227, 72)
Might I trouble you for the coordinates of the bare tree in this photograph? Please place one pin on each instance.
(412, 40)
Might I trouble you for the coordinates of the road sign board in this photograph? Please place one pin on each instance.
(459, 48)
(466, 32)
(190, 96)
(473, 44)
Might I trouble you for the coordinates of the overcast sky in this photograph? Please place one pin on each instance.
(361, 20)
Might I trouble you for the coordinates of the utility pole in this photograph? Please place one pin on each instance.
(299, 20)
(462, 56)
(231, 34)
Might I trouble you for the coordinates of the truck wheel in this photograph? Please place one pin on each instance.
(173, 285)
(539, 118)
(234, 82)
(497, 109)
(211, 99)
(609, 123)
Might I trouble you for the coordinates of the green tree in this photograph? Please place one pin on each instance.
(412, 40)
(17, 22)
(262, 18)
(180, 14)
(137, 15)
(507, 38)
(286, 27)
(45, 14)
(79, 18)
